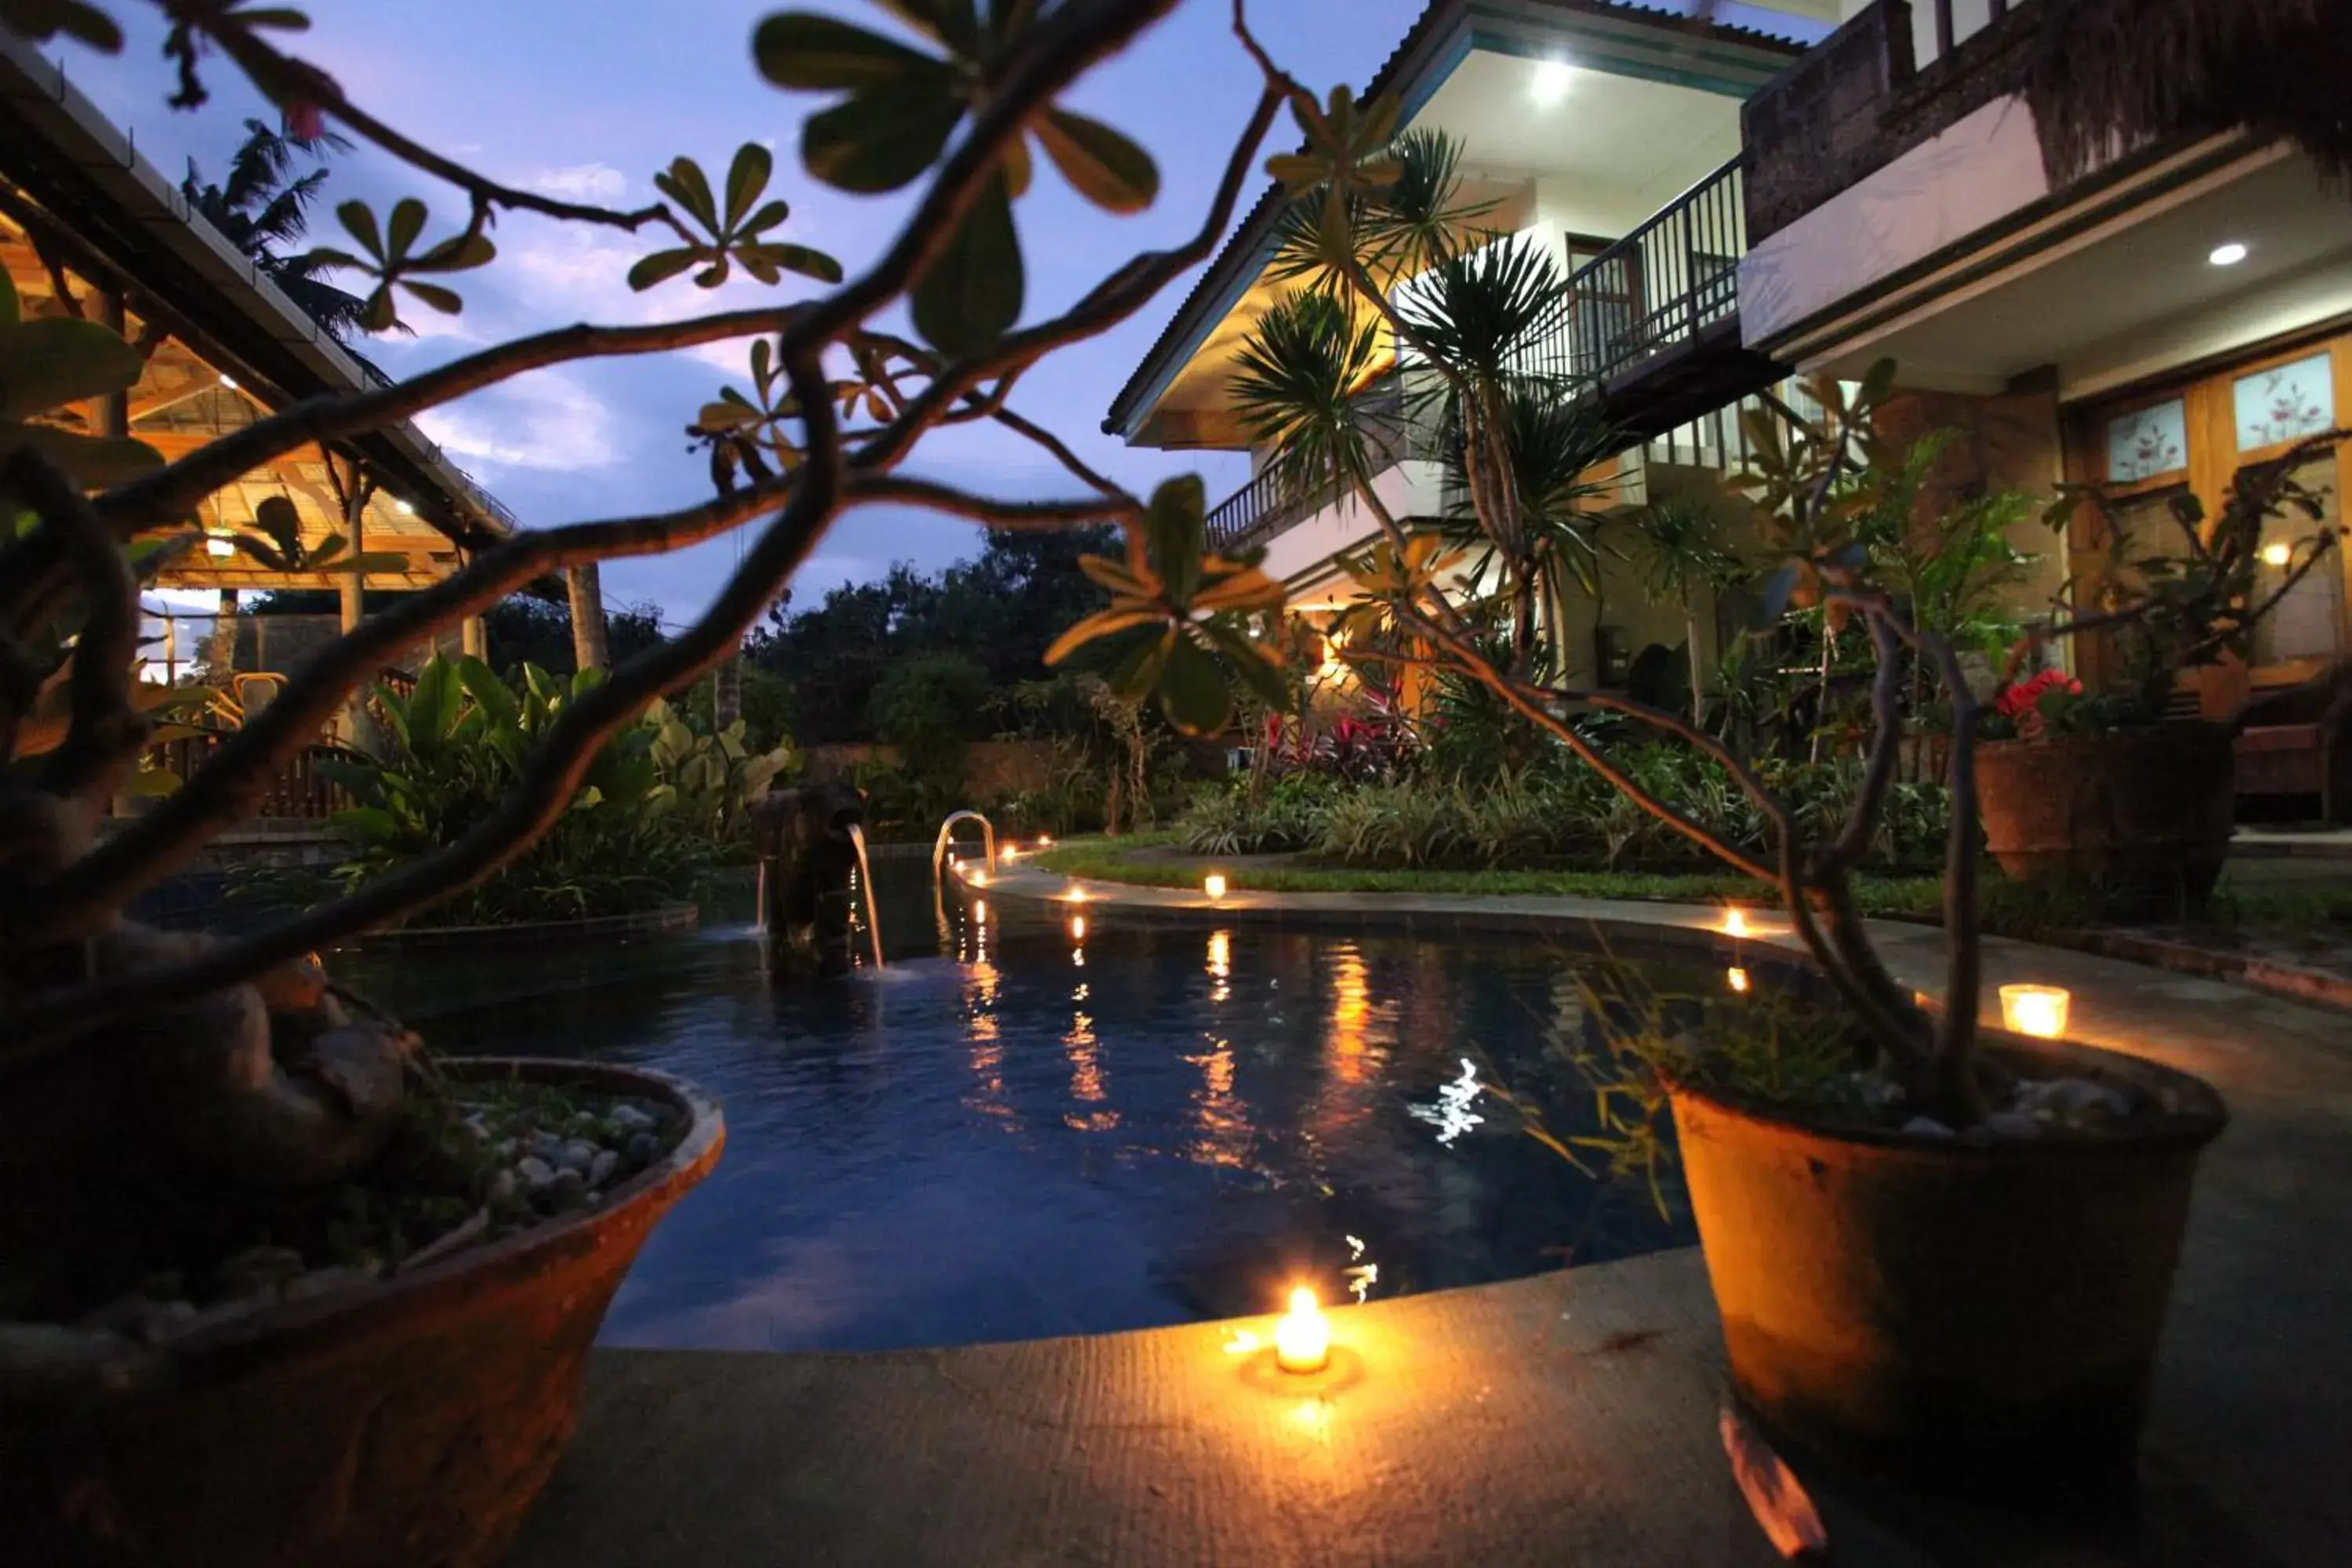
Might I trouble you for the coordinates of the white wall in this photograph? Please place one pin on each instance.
(1410, 488)
(1983, 168)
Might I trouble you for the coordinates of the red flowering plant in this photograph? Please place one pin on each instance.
(2029, 708)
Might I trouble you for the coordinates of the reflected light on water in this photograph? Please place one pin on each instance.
(1221, 1117)
(1735, 978)
(1362, 1274)
(1220, 965)
(1451, 1114)
(1078, 928)
(1087, 1085)
(1351, 1010)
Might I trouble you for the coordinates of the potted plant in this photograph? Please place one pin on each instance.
(277, 1287)
(1934, 1249)
(2106, 789)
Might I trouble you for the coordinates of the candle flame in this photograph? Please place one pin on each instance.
(1735, 923)
(2037, 1010)
(1213, 884)
(1302, 1337)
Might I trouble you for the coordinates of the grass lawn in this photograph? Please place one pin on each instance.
(2246, 906)
(1150, 860)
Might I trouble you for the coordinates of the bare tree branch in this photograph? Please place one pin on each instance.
(544, 792)
(105, 733)
(1040, 515)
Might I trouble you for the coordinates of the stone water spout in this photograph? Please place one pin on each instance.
(810, 845)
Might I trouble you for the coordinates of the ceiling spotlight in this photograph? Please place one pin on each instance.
(2228, 255)
(1551, 83)
(405, 509)
(219, 546)
(2278, 554)
(229, 381)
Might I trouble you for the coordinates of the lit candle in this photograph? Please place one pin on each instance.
(1213, 884)
(1044, 841)
(976, 877)
(1006, 855)
(2037, 1010)
(1078, 928)
(1302, 1339)
(1735, 923)
(1737, 978)
(1073, 895)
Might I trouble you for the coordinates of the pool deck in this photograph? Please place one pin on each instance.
(1568, 1419)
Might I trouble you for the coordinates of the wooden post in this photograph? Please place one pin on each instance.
(727, 693)
(114, 409)
(352, 588)
(588, 643)
(473, 638)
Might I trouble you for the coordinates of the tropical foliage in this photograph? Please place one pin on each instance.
(657, 806)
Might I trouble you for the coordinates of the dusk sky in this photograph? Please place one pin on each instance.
(590, 97)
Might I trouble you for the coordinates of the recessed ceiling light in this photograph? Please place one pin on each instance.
(1551, 83)
(2228, 255)
(229, 381)
(405, 509)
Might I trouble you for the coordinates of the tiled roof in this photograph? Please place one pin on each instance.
(1253, 228)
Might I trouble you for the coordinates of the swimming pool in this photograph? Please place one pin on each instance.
(1013, 1133)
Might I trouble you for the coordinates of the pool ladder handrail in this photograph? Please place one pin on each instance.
(947, 834)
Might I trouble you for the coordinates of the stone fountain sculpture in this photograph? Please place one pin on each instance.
(810, 843)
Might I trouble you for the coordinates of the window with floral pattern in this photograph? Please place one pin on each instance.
(2284, 401)
(2148, 441)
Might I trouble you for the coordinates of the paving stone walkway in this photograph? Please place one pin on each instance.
(1568, 1419)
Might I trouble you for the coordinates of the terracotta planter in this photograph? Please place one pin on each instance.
(410, 1423)
(2142, 816)
(1976, 1318)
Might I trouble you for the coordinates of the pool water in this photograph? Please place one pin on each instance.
(1010, 1133)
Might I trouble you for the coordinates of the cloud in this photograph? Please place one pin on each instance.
(581, 183)
(547, 422)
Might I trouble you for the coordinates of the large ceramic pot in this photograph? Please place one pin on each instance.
(409, 1423)
(1976, 1317)
(2142, 816)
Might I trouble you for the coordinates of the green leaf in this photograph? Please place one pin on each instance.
(93, 462)
(767, 217)
(746, 178)
(797, 258)
(407, 223)
(361, 222)
(41, 20)
(809, 53)
(458, 253)
(662, 266)
(971, 296)
(446, 300)
(1253, 663)
(1176, 521)
(1192, 690)
(1101, 163)
(716, 418)
(433, 705)
(381, 315)
(489, 694)
(880, 140)
(45, 364)
(370, 823)
(684, 183)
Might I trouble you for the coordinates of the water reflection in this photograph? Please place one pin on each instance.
(1198, 1120)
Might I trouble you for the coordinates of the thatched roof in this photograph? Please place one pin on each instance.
(2101, 73)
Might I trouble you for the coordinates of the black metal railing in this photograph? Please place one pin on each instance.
(1404, 424)
(1661, 285)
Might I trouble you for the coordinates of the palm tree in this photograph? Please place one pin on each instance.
(1678, 552)
(262, 208)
